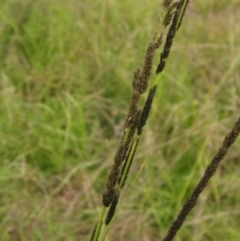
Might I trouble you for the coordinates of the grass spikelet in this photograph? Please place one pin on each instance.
(210, 170)
(136, 119)
(146, 110)
(147, 68)
(112, 209)
(169, 40)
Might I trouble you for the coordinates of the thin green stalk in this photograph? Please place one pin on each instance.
(99, 225)
(182, 12)
(126, 134)
(128, 161)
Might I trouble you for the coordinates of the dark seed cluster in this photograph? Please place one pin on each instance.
(137, 117)
(210, 170)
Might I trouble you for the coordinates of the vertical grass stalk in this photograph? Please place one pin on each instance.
(170, 20)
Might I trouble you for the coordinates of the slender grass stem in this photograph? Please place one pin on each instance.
(128, 161)
(126, 134)
(182, 12)
(99, 225)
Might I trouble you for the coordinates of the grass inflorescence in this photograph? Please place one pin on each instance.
(171, 20)
(65, 84)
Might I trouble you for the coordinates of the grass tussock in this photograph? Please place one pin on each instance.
(65, 82)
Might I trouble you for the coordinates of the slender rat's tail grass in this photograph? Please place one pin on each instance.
(170, 21)
(209, 172)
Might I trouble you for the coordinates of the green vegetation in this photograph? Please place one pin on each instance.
(65, 82)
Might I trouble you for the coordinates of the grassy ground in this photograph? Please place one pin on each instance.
(65, 71)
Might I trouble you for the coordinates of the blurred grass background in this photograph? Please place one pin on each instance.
(65, 81)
